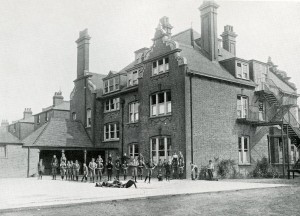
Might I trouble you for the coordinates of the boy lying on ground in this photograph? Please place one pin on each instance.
(116, 184)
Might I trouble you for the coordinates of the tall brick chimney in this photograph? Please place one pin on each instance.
(4, 125)
(27, 113)
(209, 35)
(83, 43)
(228, 37)
(57, 98)
(164, 21)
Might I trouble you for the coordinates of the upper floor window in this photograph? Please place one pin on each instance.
(132, 78)
(112, 104)
(3, 153)
(111, 131)
(74, 116)
(242, 106)
(133, 112)
(112, 84)
(242, 70)
(38, 119)
(160, 66)
(160, 103)
(244, 155)
(160, 148)
(133, 150)
(88, 117)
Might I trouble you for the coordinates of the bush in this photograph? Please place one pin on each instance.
(227, 169)
(264, 170)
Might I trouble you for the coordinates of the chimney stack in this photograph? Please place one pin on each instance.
(228, 37)
(4, 125)
(166, 26)
(83, 43)
(57, 98)
(209, 35)
(27, 113)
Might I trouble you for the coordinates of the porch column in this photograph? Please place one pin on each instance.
(84, 155)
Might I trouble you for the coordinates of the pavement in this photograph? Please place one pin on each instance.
(30, 193)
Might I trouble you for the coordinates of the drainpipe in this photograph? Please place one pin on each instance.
(122, 126)
(191, 116)
(28, 162)
(283, 151)
(85, 116)
(94, 118)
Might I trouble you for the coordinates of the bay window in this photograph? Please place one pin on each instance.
(112, 84)
(160, 103)
(160, 148)
(111, 131)
(243, 145)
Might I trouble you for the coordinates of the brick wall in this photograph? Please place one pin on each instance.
(15, 164)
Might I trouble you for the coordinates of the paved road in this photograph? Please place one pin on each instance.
(268, 201)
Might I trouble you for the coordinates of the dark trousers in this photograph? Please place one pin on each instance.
(210, 174)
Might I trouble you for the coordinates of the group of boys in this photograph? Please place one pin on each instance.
(95, 168)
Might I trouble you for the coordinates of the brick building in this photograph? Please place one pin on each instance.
(190, 93)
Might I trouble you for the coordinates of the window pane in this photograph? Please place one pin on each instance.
(240, 143)
(153, 110)
(107, 105)
(161, 97)
(168, 96)
(169, 146)
(161, 108)
(166, 60)
(112, 131)
(245, 143)
(154, 64)
(153, 142)
(136, 150)
(169, 107)
(160, 62)
(112, 104)
(117, 133)
(153, 99)
(117, 82)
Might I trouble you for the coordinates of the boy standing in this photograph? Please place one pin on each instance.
(62, 169)
(92, 167)
(117, 167)
(168, 167)
(210, 169)
(109, 168)
(76, 168)
(194, 171)
(150, 166)
(125, 168)
(181, 167)
(99, 169)
(85, 172)
(54, 165)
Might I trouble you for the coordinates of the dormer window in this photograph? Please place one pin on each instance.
(242, 70)
(112, 84)
(132, 78)
(160, 66)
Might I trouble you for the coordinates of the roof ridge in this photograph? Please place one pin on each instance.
(41, 132)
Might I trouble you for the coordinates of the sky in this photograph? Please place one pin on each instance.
(38, 50)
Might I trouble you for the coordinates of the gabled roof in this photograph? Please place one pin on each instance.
(59, 133)
(8, 138)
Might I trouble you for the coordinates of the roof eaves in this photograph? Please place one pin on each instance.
(250, 84)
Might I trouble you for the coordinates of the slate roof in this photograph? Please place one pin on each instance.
(59, 133)
(97, 80)
(8, 138)
(201, 64)
(65, 105)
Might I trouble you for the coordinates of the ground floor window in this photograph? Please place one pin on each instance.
(160, 148)
(294, 154)
(133, 150)
(243, 144)
(3, 152)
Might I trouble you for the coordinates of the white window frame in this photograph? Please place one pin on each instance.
(3, 148)
(162, 68)
(133, 108)
(132, 78)
(111, 129)
(242, 71)
(154, 147)
(244, 150)
(133, 150)
(113, 102)
(160, 109)
(242, 106)
(112, 84)
(88, 117)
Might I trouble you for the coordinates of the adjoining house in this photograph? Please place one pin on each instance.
(191, 93)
